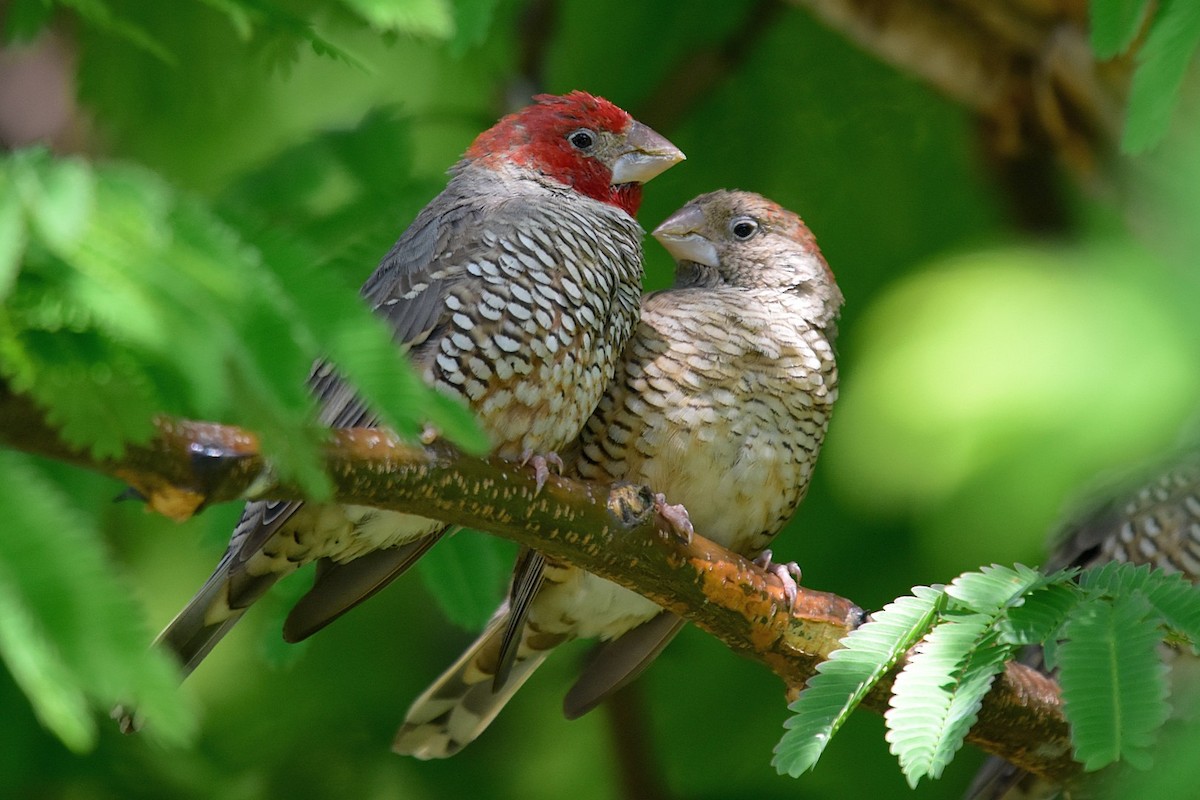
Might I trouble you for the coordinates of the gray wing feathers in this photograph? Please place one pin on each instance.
(527, 579)
(413, 314)
(618, 662)
(226, 594)
(338, 588)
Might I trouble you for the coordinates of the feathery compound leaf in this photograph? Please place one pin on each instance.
(58, 196)
(361, 346)
(1172, 596)
(842, 681)
(12, 233)
(1115, 23)
(1161, 64)
(994, 588)
(1113, 681)
(161, 306)
(936, 698)
(1043, 612)
(70, 631)
(53, 691)
(418, 17)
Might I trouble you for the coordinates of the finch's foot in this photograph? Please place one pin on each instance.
(429, 435)
(789, 575)
(541, 466)
(127, 721)
(676, 516)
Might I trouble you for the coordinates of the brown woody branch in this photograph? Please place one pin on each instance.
(611, 531)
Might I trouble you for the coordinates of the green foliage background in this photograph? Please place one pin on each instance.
(987, 376)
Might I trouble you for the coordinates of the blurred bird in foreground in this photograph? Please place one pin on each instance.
(1157, 522)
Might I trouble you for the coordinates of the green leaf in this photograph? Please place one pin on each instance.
(420, 17)
(472, 20)
(844, 679)
(58, 195)
(96, 13)
(57, 698)
(95, 397)
(361, 346)
(238, 13)
(25, 19)
(937, 696)
(995, 588)
(1174, 598)
(1041, 614)
(1115, 23)
(466, 573)
(1113, 681)
(12, 235)
(1161, 64)
(70, 629)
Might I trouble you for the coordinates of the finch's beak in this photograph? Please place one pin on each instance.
(646, 155)
(680, 234)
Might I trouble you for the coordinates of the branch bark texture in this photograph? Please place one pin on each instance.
(612, 531)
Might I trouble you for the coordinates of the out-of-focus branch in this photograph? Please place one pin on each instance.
(611, 531)
(1024, 66)
(535, 33)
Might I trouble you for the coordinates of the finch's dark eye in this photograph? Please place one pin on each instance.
(744, 228)
(582, 139)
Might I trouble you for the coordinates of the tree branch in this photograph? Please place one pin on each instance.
(611, 531)
(1024, 66)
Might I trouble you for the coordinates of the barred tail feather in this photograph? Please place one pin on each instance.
(461, 703)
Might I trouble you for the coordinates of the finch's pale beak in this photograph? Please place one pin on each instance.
(646, 155)
(680, 234)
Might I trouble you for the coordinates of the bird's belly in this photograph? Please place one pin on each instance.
(577, 603)
(735, 487)
(340, 533)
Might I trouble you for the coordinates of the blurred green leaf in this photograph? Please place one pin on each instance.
(169, 303)
(57, 698)
(1115, 23)
(1161, 64)
(98, 14)
(92, 392)
(240, 13)
(472, 20)
(421, 17)
(24, 20)
(12, 236)
(58, 196)
(73, 631)
(467, 573)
